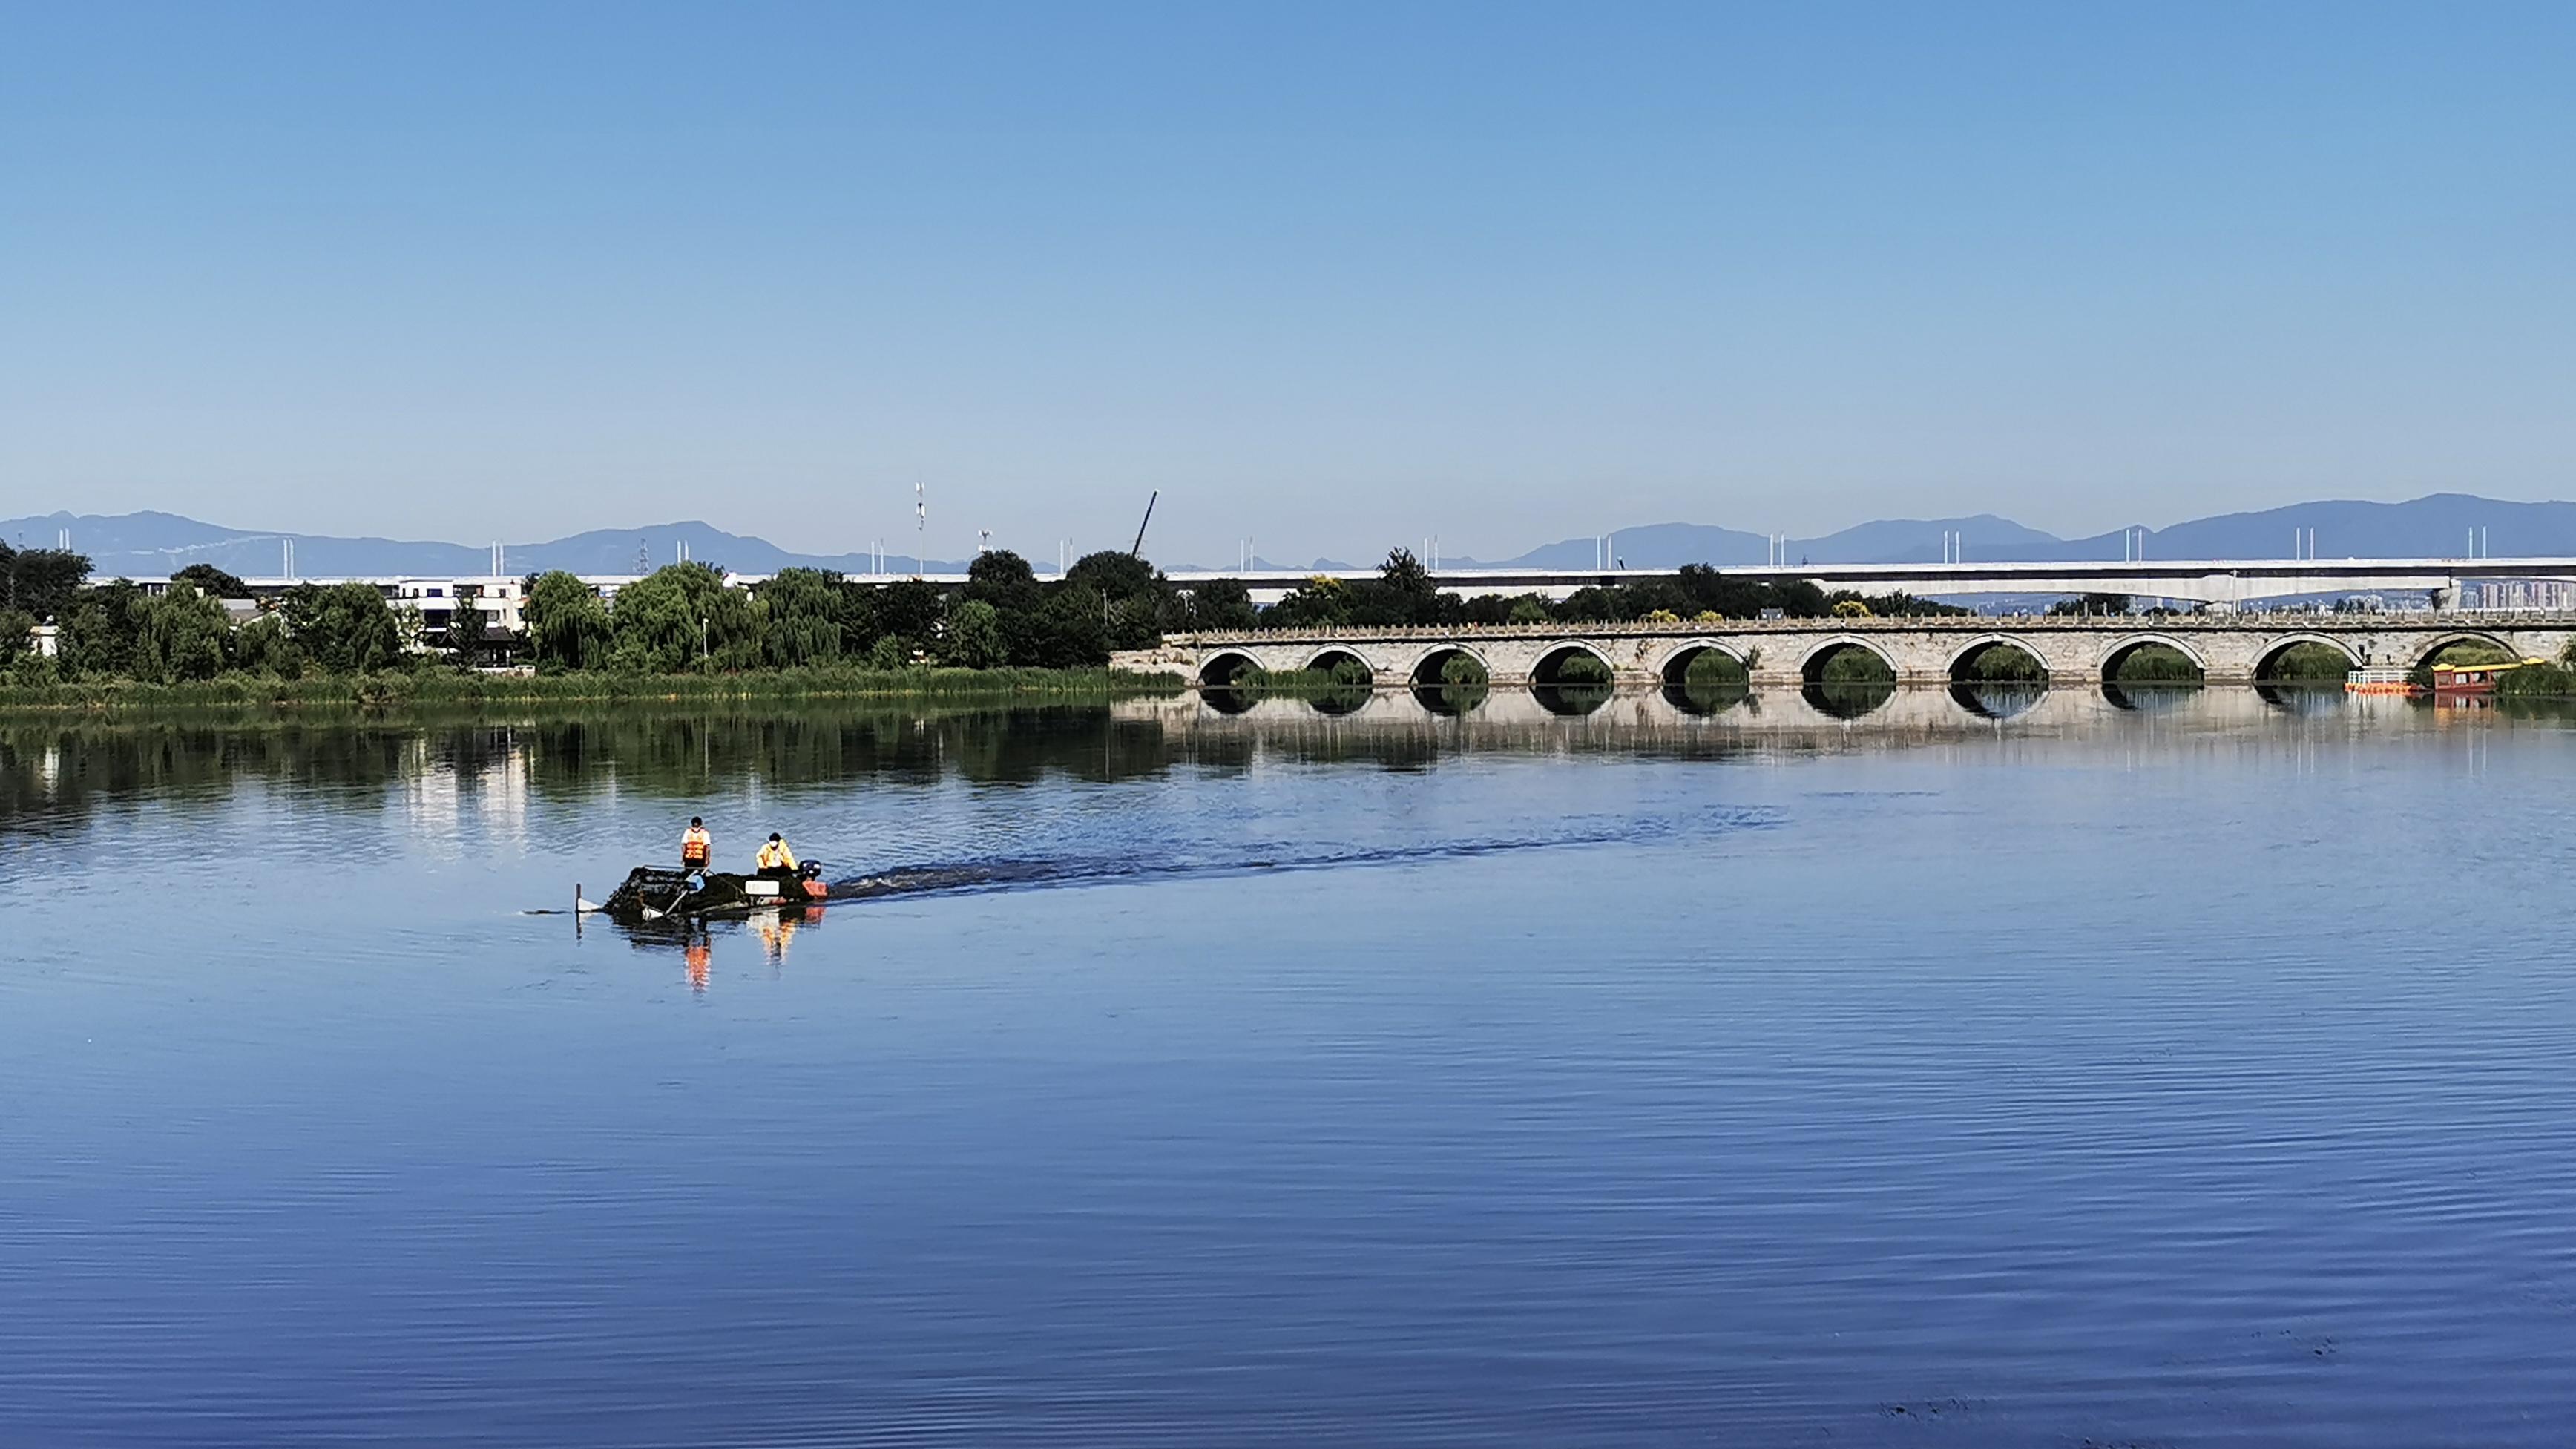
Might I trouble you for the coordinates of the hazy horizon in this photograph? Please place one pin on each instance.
(1332, 280)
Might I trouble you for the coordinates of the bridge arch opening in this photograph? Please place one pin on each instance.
(1846, 661)
(1572, 679)
(1451, 679)
(2465, 649)
(1451, 664)
(1846, 678)
(1226, 669)
(1569, 664)
(2313, 659)
(1336, 664)
(1998, 659)
(1703, 678)
(1704, 659)
(2143, 663)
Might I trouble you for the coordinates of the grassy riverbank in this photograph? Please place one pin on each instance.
(449, 690)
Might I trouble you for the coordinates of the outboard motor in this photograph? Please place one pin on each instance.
(809, 878)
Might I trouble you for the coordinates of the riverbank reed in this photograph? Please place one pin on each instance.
(449, 689)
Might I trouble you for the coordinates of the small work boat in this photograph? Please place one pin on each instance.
(652, 892)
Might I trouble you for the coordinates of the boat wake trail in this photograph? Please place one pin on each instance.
(963, 877)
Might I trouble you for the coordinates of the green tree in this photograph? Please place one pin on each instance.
(182, 637)
(1132, 594)
(1070, 632)
(682, 616)
(1597, 604)
(1002, 579)
(1222, 604)
(1109, 572)
(808, 612)
(17, 630)
(41, 581)
(1320, 602)
(1506, 609)
(1409, 584)
(908, 612)
(211, 581)
(568, 626)
(467, 629)
(101, 629)
(263, 646)
(1402, 593)
(2092, 604)
(344, 628)
(973, 637)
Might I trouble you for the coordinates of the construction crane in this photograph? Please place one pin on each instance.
(1137, 550)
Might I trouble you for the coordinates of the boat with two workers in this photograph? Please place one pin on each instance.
(652, 893)
(692, 892)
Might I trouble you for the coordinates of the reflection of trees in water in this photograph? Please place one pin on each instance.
(1997, 700)
(1848, 698)
(2303, 699)
(2151, 696)
(1571, 699)
(1453, 698)
(681, 756)
(52, 774)
(1701, 696)
(1339, 699)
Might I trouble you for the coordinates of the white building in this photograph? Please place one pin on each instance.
(501, 601)
(500, 598)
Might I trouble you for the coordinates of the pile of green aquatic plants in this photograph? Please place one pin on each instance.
(2552, 681)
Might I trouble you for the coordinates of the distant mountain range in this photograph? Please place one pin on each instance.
(2436, 526)
(141, 545)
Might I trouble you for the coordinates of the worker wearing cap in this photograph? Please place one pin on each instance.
(775, 856)
(696, 846)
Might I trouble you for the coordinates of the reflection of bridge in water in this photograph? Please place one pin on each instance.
(1829, 715)
(2070, 648)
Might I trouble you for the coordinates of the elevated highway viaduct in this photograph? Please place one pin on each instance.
(2073, 649)
(2224, 583)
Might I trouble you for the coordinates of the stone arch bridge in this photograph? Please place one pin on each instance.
(2072, 648)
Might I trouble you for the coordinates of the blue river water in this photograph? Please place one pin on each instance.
(2094, 1076)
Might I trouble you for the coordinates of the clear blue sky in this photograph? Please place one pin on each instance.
(1334, 277)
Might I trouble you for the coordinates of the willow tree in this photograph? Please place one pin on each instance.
(567, 624)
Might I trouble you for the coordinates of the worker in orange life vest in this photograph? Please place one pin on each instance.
(696, 846)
